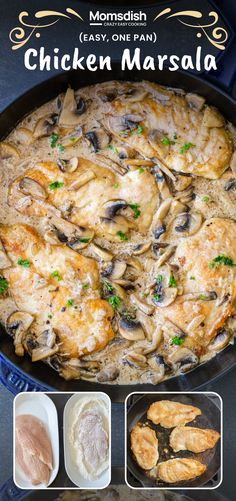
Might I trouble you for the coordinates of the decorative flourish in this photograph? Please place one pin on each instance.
(218, 35)
(19, 36)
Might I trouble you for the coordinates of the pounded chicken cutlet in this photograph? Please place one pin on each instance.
(179, 469)
(168, 413)
(187, 438)
(49, 285)
(33, 449)
(144, 445)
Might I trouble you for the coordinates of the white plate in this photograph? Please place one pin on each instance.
(42, 407)
(71, 469)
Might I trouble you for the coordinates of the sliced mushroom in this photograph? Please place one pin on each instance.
(24, 135)
(131, 329)
(156, 341)
(71, 138)
(141, 304)
(231, 183)
(104, 254)
(184, 359)
(115, 226)
(70, 165)
(134, 262)
(43, 352)
(233, 162)
(73, 108)
(212, 118)
(98, 139)
(198, 296)
(147, 323)
(221, 340)
(18, 324)
(181, 182)
(45, 126)
(153, 377)
(5, 262)
(8, 150)
(165, 297)
(136, 360)
(195, 101)
(47, 338)
(112, 207)
(118, 270)
(163, 210)
(31, 187)
(158, 231)
(141, 248)
(114, 166)
(108, 374)
(83, 179)
(188, 223)
(73, 236)
(165, 256)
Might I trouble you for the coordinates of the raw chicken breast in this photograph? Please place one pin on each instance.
(33, 449)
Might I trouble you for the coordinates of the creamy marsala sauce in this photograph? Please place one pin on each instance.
(117, 257)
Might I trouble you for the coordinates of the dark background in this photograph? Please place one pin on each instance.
(15, 80)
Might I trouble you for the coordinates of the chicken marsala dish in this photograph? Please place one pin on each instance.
(118, 231)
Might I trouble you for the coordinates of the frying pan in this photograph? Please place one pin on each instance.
(21, 374)
(210, 418)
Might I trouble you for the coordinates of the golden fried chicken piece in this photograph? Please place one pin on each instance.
(179, 469)
(187, 438)
(144, 445)
(169, 414)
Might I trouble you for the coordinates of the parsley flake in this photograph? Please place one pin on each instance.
(55, 274)
(205, 198)
(159, 279)
(114, 301)
(3, 285)
(221, 259)
(55, 185)
(112, 148)
(70, 302)
(141, 170)
(122, 236)
(177, 340)
(84, 240)
(23, 262)
(186, 147)
(135, 209)
(60, 148)
(53, 140)
(172, 281)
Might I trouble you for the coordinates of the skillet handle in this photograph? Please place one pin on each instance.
(10, 492)
(15, 381)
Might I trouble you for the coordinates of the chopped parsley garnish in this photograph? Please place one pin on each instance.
(70, 302)
(107, 286)
(205, 198)
(135, 209)
(55, 274)
(114, 301)
(85, 286)
(192, 277)
(122, 236)
(221, 259)
(53, 140)
(141, 170)
(60, 148)
(112, 148)
(55, 185)
(175, 136)
(3, 285)
(186, 147)
(202, 296)
(116, 185)
(157, 297)
(50, 316)
(159, 279)
(177, 340)
(172, 281)
(166, 141)
(23, 262)
(139, 130)
(72, 139)
(84, 240)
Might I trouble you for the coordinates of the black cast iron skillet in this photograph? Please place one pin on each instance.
(40, 373)
(210, 418)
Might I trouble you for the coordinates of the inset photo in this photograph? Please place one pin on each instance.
(62, 440)
(173, 440)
